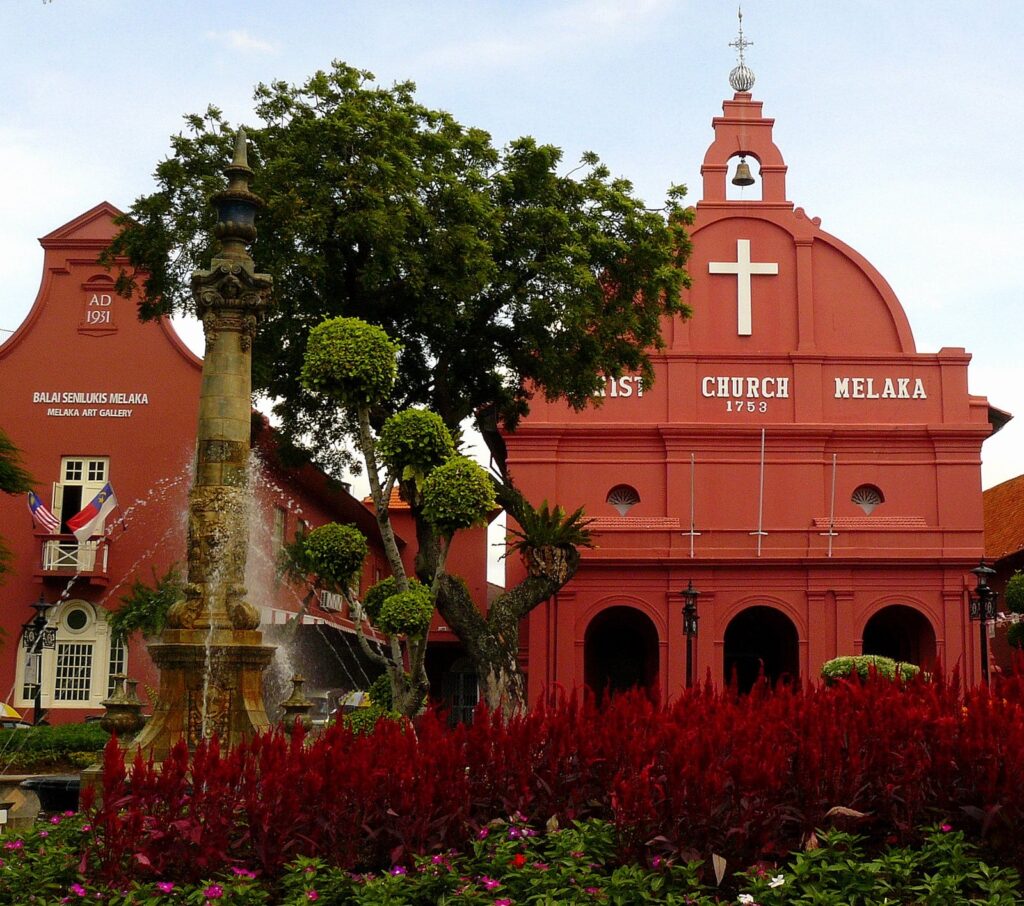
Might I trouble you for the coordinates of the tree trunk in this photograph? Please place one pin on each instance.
(502, 681)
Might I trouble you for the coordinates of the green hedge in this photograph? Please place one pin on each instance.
(39, 747)
(863, 665)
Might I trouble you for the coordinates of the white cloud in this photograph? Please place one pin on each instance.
(240, 39)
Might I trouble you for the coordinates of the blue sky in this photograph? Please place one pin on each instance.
(901, 122)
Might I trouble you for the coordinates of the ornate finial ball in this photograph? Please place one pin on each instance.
(741, 78)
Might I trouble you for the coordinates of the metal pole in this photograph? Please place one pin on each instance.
(689, 661)
(984, 645)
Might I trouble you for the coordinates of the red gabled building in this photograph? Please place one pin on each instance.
(814, 475)
(91, 396)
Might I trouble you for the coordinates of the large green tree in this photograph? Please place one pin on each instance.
(13, 480)
(499, 275)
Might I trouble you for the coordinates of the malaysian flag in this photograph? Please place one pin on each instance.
(41, 516)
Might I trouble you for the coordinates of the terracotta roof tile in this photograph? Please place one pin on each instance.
(1004, 518)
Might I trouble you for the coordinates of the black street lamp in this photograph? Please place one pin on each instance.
(983, 608)
(690, 618)
(35, 636)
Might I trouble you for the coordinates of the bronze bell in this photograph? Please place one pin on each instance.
(742, 177)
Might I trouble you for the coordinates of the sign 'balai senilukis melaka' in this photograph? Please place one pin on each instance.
(814, 475)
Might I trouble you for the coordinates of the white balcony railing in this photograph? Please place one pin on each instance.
(84, 557)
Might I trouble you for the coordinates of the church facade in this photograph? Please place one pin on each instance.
(814, 476)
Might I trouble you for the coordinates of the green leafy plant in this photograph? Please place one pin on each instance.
(457, 495)
(336, 553)
(43, 747)
(863, 665)
(407, 612)
(414, 442)
(546, 537)
(144, 608)
(350, 361)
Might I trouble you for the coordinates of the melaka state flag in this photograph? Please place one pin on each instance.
(90, 520)
(41, 516)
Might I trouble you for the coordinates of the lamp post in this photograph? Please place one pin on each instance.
(690, 618)
(983, 609)
(36, 635)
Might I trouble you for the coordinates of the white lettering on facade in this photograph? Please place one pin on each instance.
(870, 388)
(67, 398)
(723, 386)
(622, 387)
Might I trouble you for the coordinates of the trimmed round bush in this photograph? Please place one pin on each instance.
(457, 495)
(364, 720)
(336, 552)
(380, 692)
(376, 595)
(1015, 635)
(414, 442)
(407, 613)
(1015, 592)
(350, 361)
(863, 665)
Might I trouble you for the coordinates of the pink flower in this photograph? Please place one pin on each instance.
(14, 844)
(593, 891)
(165, 886)
(77, 889)
(482, 834)
(55, 819)
(242, 872)
(489, 883)
(656, 862)
(945, 828)
(86, 828)
(213, 892)
(44, 834)
(398, 870)
(69, 814)
(312, 895)
(503, 901)
(437, 860)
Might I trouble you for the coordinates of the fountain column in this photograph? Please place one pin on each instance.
(211, 656)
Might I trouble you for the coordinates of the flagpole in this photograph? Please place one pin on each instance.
(760, 502)
(832, 507)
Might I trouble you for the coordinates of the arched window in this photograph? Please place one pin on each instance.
(623, 498)
(867, 497)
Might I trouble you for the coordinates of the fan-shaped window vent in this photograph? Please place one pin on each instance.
(867, 497)
(623, 498)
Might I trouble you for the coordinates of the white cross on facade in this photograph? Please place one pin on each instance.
(744, 269)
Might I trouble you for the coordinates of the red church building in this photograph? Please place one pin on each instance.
(813, 475)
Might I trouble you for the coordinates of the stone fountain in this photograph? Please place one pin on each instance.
(211, 656)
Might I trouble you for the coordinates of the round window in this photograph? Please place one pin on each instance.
(76, 620)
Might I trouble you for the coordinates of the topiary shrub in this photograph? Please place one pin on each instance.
(336, 553)
(457, 495)
(375, 596)
(1015, 592)
(407, 613)
(380, 692)
(863, 665)
(1015, 635)
(413, 443)
(364, 720)
(352, 362)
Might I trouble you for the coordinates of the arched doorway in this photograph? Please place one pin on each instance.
(620, 651)
(760, 639)
(902, 633)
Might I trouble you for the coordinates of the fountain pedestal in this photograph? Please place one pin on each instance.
(211, 683)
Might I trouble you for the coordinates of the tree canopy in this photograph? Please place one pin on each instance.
(500, 275)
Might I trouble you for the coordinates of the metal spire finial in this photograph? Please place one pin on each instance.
(741, 78)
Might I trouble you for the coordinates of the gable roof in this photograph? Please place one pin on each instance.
(1004, 518)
